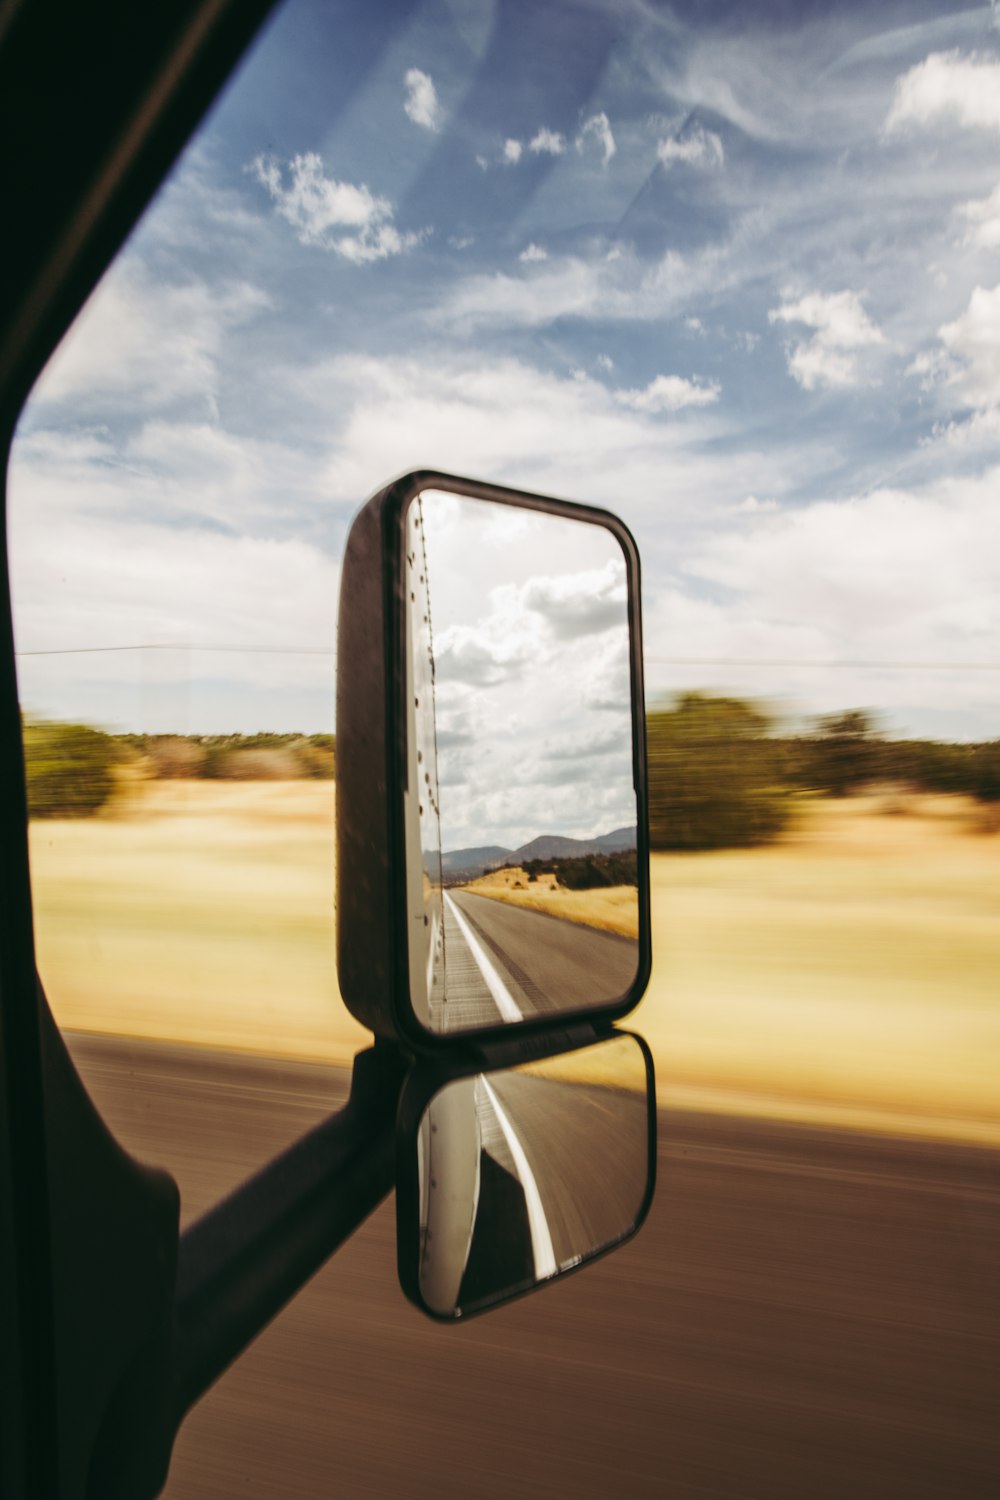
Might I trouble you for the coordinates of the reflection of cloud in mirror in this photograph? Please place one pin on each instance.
(530, 641)
(582, 603)
(468, 655)
(607, 689)
(605, 744)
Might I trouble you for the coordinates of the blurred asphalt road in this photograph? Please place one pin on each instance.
(807, 1314)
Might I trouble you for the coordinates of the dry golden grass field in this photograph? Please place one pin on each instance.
(848, 974)
(613, 909)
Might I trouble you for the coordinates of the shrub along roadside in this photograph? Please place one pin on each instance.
(69, 769)
(234, 757)
(587, 872)
(717, 779)
(718, 775)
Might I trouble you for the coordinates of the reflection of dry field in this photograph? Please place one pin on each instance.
(847, 974)
(612, 909)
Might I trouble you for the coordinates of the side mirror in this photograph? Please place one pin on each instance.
(507, 1177)
(491, 792)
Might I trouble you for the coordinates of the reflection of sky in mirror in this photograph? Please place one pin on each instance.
(531, 655)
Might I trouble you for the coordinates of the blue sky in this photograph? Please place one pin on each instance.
(733, 274)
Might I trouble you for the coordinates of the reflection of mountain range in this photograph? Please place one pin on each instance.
(469, 863)
(463, 861)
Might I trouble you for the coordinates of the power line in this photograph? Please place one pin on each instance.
(183, 646)
(874, 666)
(662, 661)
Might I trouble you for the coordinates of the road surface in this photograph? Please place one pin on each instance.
(585, 1150)
(504, 962)
(807, 1315)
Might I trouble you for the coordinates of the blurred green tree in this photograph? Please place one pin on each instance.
(69, 769)
(717, 778)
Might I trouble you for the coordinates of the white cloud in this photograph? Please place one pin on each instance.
(548, 142)
(179, 471)
(751, 506)
(973, 341)
(533, 252)
(518, 424)
(530, 618)
(512, 150)
(580, 604)
(893, 574)
(421, 103)
(109, 547)
(948, 87)
(983, 215)
(965, 370)
(619, 285)
(605, 362)
(694, 324)
(319, 208)
(697, 148)
(842, 328)
(669, 393)
(148, 343)
(599, 127)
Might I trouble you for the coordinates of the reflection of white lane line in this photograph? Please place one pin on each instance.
(501, 994)
(432, 954)
(541, 1239)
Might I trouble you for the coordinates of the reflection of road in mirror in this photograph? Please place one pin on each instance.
(527, 1172)
(510, 964)
(520, 811)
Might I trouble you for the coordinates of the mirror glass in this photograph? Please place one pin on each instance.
(527, 1172)
(521, 809)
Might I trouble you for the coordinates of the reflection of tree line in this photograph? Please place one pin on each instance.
(586, 872)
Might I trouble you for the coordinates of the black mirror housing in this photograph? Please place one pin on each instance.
(513, 1173)
(384, 849)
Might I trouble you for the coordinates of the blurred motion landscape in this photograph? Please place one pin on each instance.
(823, 906)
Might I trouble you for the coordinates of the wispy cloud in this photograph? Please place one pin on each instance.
(948, 87)
(512, 151)
(547, 142)
(973, 344)
(533, 252)
(345, 217)
(598, 129)
(149, 343)
(983, 215)
(696, 147)
(562, 434)
(842, 329)
(895, 573)
(421, 102)
(618, 286)
(669, 393)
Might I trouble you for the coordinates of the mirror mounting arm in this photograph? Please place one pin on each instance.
(244, 1259)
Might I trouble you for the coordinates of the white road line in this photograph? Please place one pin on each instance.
(432, 955)
(505, 1002)
(541, 1238)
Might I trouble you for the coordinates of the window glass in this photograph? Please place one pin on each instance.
(732, 272)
